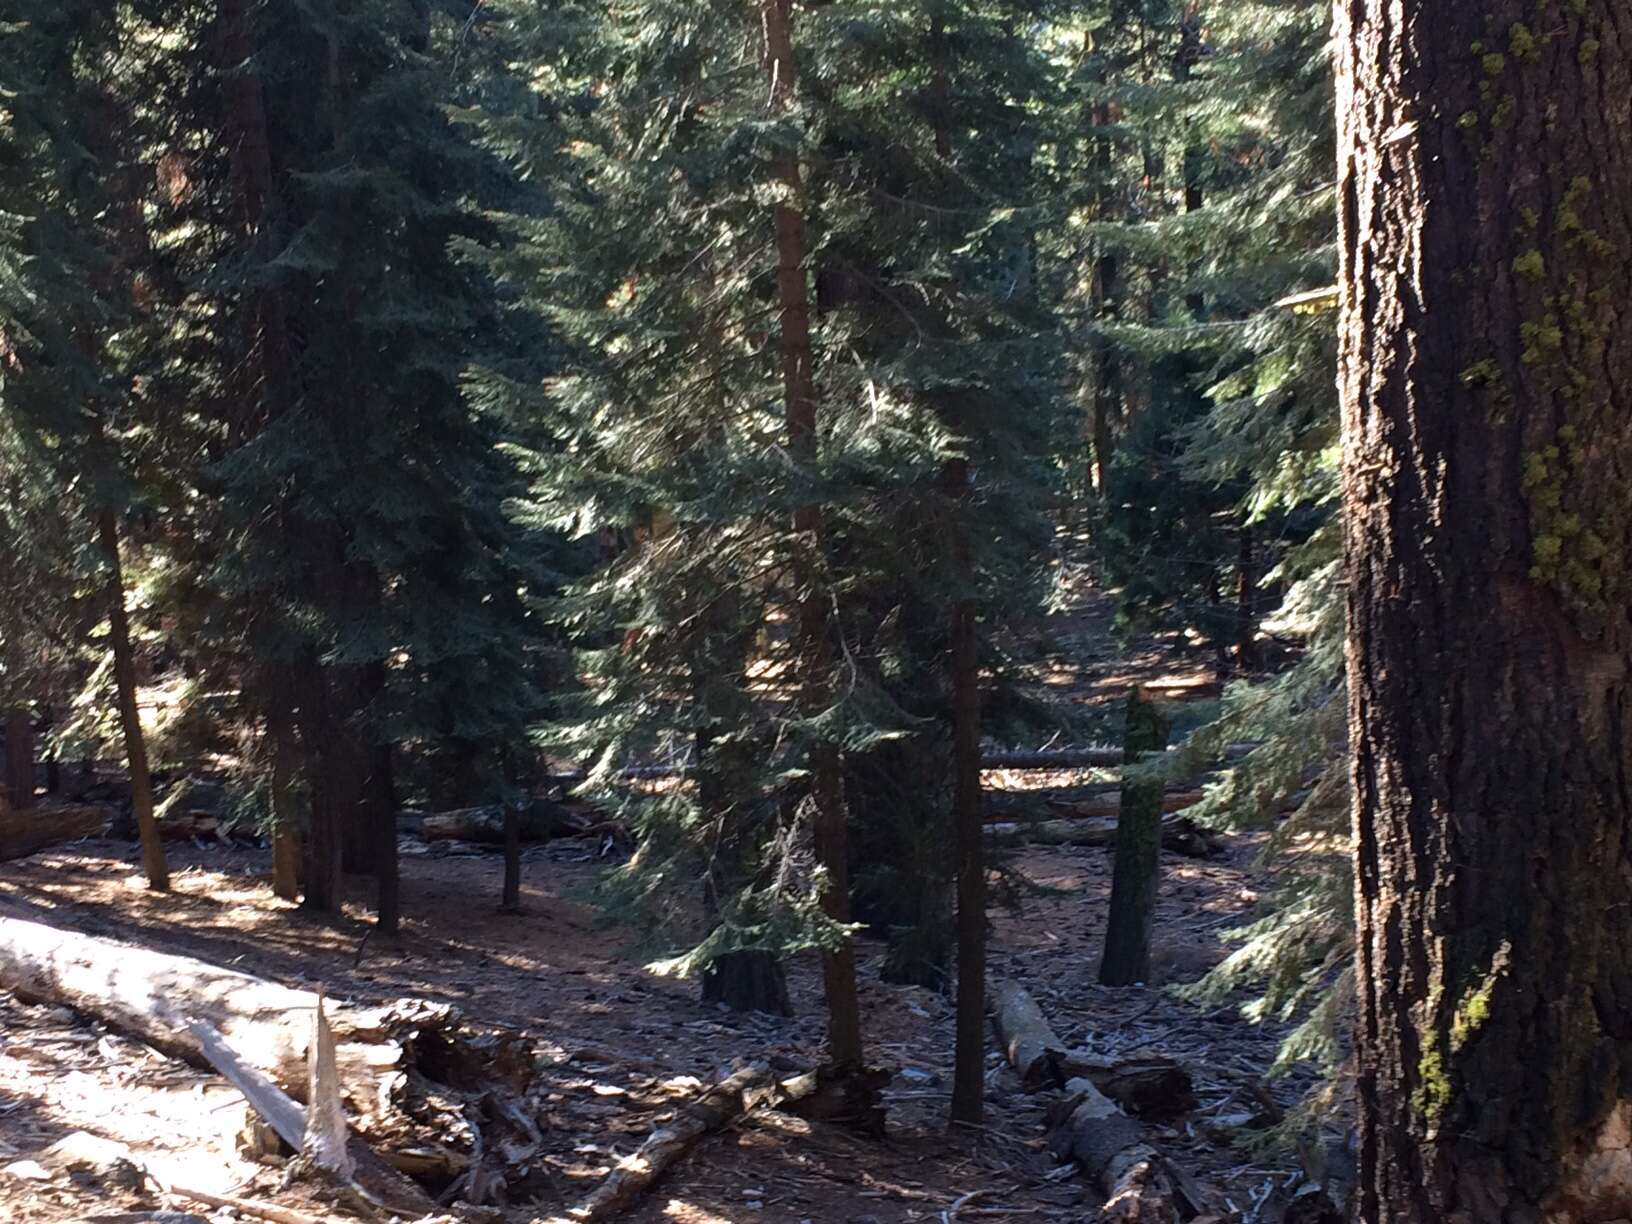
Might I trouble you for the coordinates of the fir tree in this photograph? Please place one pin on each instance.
(75, 333)
(1267, 233)
(358, 549)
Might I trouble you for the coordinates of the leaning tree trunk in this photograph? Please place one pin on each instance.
(1137, 866)
(1487, 395)
(814, 622)
(130, 718)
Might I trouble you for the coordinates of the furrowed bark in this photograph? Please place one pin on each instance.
(1486, 375)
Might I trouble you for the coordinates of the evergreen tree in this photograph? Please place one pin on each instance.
(1486, 377)
(75, 334)
(1267, 235)
(357, 552)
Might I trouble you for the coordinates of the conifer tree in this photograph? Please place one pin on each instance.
(669, 433)
(1486, 379)
(1266, 236)
(74, 333)
(358, 548)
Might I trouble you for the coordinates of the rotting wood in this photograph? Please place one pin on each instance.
(324, 1142)
(1152, 1087)
(1024, 1035)
(1110, 1148)
(1180, 835)
(246, 1207)
(635, 1174)
(49, 824)
(155, 995)
(1135, 1178)
(378, 1180)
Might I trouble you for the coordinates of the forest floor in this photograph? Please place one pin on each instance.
(620, 1041)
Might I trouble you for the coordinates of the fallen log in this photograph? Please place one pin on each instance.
(1110, 804)
(1093, 1131)
(1151, 1087)
(331, 1145)
(1111, 1151)
(540, 822)
(1179, 835)
(49, 824)
(154, 996)
(1024, 1035)
(246, 1207)
(1092, 757)
(634, 1175)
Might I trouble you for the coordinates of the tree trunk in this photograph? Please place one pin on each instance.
(1104, 296)
(1137, 868)
(814, 623)
(380, 810)
(286, 840)
(510, 898)
(1246, 611)
(328, 784)
(19, 776)
(750, 980)
(130, 718)
(1486, 374)
(969, 835)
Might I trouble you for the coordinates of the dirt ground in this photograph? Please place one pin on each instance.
(621, 1042)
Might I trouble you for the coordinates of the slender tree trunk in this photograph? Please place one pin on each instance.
(968, 820)
(968, 811)
(53, 760)
(380, 811)
(1107, 378)
(814, 619)
(130, 718)
(286, 840)
(327, 780)
(1246, 607)
(19, 777)
(1136, 870)
(510, 899)
(1486, 372)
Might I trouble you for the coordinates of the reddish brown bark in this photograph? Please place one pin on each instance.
(814, 618)
(1486, 165)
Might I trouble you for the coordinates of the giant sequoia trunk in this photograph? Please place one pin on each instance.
(1487, 386)
(814, 624)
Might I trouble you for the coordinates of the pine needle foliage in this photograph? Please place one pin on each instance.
(656, 265)
(1261, 105)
